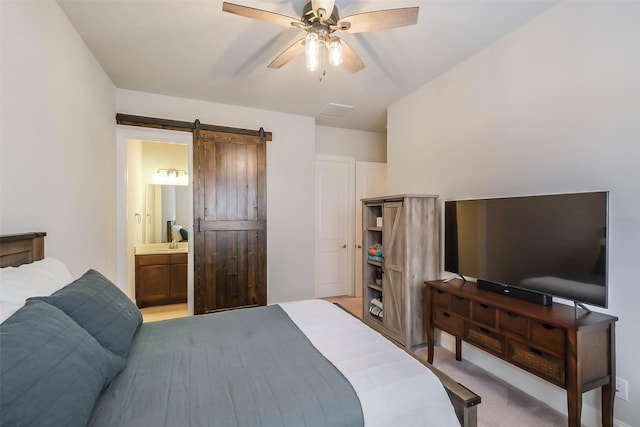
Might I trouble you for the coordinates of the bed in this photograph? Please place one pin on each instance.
(289, 364)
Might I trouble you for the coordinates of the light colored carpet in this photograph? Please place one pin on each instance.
(502, 405)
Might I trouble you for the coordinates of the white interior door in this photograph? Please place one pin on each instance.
(334, 225)
(371, 181)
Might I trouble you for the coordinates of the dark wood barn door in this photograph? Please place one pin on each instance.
(230, 220)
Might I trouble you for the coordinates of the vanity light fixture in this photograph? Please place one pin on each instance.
(172, 177)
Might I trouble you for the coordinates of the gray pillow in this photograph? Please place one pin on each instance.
(52, 370)
(101, 308)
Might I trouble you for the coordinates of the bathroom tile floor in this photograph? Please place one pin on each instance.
(163, 312)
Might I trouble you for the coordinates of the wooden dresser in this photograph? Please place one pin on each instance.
(577, 354)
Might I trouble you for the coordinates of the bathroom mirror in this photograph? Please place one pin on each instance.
(164, 203)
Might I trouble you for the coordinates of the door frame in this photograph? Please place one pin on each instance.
(124, 259)
(350, 253)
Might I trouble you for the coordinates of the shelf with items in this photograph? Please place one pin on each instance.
(374, 287)
(374, 259)
(404, 229)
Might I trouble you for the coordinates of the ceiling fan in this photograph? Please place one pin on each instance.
(320, 20)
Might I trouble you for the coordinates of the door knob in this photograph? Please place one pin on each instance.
(344, 246)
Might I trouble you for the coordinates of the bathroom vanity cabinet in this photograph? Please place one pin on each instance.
(161, 279)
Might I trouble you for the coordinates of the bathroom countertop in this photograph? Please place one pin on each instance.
(161, 248)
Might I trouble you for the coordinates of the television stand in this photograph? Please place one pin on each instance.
(577, 354)
(455, 276)
(586, 309)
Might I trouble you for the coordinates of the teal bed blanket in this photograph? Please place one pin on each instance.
(250, 367)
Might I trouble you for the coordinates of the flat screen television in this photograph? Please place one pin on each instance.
(551, 244)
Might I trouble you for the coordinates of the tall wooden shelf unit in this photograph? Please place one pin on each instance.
(409, 235)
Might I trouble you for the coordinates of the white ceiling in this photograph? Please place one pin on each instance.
(192, 49)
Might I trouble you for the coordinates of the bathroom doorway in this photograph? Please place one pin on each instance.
(155, 218)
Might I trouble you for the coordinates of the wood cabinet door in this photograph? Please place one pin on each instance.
(179, 281)
(152, 284)
(230, 221)
(393, 239)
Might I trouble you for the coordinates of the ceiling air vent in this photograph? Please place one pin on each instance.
(338, 110)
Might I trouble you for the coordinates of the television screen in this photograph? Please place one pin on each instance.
(552, 244)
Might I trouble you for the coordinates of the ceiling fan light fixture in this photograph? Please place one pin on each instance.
(335, 52)
(311, 44)
(313, 62)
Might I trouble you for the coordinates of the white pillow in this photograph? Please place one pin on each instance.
(40, 278)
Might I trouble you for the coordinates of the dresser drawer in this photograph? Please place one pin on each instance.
(460, 306)
(483, 313)
(153, 259)
(486, 339)
(547, 336)
(448, 323)
(440, 299)
(537, 362)
(512, 323)
(179, 258)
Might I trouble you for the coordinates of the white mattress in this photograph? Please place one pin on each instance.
(394, 389)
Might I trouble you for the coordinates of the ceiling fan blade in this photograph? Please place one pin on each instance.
(259, 14)
(380, 20)
(288, 54)
(350, 59)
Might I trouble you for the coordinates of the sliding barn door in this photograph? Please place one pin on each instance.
(230, 221)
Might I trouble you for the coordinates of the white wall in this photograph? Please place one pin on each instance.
(552, 107)
(290, 181)
(57, 151)
(361, 145)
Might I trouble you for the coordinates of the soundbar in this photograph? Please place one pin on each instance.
(512, 291)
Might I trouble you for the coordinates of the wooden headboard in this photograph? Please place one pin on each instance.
(18, 249)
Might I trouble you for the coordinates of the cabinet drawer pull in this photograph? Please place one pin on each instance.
(484, 305)
(446, 314)
(535, 351)
(486, 331)
(512, 315)
(544, 325)
(460, 298)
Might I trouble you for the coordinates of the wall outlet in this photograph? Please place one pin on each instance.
(622, 388)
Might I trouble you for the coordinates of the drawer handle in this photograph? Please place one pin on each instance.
(544, 325)
(439, 291)
(484, 305)
(535, 351)
(486, 331)
(460, 298)
(512, 315)
(446, 314)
